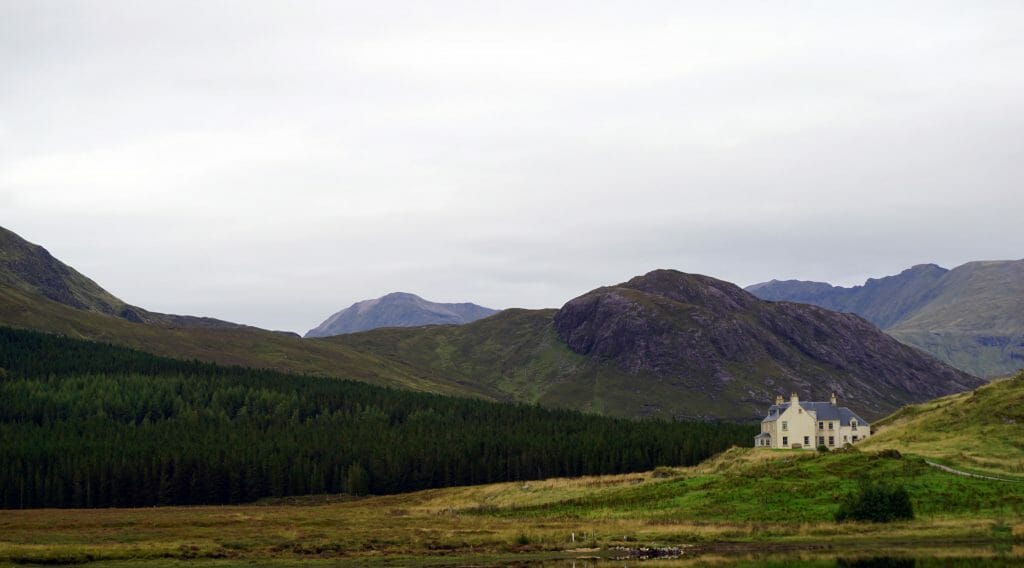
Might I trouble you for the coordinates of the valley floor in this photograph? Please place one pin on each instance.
(739, 506)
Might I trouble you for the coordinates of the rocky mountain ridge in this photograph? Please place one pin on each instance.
(971, 317)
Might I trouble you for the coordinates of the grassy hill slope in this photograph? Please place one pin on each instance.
(975, 321)
(32, 269)
(664, 344)
(671, 344)
(517, 355)
(247, 347)
(980, 430)
(971, 317)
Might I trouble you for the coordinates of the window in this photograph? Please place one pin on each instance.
(807, 440)
(853, 425)
(785, 426)
(846, 438)
(785, 441)
(855, 438)
(821, 425)
(830, 425)
(831, 440)
(821, 440)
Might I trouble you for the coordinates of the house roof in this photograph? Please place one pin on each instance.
(822, 410)
(763, 435)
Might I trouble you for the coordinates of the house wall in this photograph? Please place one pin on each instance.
(833, 435)
(847, 433)
(828, 433)
(793, 427)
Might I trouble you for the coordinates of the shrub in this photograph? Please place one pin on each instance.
(823, 448)
(876, 502)
(889, 454)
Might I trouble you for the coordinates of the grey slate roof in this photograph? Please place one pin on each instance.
(823, 410)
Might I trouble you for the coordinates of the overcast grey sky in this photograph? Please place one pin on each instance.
(271, 163)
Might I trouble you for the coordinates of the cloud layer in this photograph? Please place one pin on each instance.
(271, 163)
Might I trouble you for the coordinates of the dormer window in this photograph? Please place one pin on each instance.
(853, 425)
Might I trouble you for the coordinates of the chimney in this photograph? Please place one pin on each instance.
(794, 399)
(778, 399)
(834, 401)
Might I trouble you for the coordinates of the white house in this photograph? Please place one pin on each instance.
(808, 425)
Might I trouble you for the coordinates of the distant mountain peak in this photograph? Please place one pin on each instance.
(397, 309)
(971, 316)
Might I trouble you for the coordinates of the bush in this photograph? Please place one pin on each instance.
(878, 503)
(823, 448)
(889, 454)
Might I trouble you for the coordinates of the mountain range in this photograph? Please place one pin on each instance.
(664, 344)
(398, 309)
(971, 317)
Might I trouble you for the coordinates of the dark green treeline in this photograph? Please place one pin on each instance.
(90, 425)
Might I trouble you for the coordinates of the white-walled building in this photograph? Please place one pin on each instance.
(807, 425)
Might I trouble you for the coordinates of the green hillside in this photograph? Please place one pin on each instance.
(975, 321)
(32, 269)
(672, 344)
(247, 347)
(518, 355)
(664, 344)
(971, 317)
(980, 430)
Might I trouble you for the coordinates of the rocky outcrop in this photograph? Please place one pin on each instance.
(712, 333)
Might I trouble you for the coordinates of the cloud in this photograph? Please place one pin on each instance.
(271, 164)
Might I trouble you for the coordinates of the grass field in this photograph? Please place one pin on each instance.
(980, 430)
(740, 501)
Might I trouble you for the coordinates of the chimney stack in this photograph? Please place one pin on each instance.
(778, 399)
(794, 399)
(834, 401)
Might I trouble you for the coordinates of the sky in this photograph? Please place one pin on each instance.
(271, 163)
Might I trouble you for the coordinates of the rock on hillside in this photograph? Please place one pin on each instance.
(398, 309)
(971, 317)
(728, 343)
